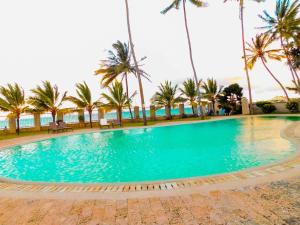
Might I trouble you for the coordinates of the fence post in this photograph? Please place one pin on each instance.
(181, 110)
(101, 113)
(136, 112)
(245, 106)
(37, 121)
(60, 116)
(12, 129)
(152, 112)
(195, 108)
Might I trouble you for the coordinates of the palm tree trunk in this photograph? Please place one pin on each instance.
(18, 125)
(127, 94)
(191, 57)
(245, 58)
(293, 72)
(90, 115)
(120, 116)
(53, 116)
(136, 64)
(286, 94)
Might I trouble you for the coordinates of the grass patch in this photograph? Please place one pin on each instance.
(127, 124)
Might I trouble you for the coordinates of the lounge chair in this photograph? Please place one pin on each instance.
(64, 127)
(116, 123)
(53, 127)
(104, 123)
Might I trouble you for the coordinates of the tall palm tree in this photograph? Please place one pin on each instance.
(166, 96)
(47, 98)
(241, 8)
(12, 100)
(283, 26)
(212, 91)
(118, 64)
(258, 49)
(84, 99)
(176, 4)
(138, 72)
(189, 90)
(117, 99)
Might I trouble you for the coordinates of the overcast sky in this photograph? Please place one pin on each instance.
(64, 40)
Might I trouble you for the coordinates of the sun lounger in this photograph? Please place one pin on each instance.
(104, 123)
(53, 127)
(64, 127)
(116, 123)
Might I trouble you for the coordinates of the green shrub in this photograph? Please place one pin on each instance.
(293, 106)
(262, 103)
(268, 108)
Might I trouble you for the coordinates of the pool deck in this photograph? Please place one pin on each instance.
(264, 195)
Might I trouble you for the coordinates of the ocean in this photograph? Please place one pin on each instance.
(28, 121)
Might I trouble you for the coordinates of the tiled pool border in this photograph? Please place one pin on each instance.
(258, 172)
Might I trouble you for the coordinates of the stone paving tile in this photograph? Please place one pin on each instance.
(276, 203)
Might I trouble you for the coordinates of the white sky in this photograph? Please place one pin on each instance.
(63, 41)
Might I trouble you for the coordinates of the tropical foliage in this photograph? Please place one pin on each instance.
(84, 99)
(166, 96)
(283, 26)
(118, 65)
(293, 106)
(259, 50)
(230, 98)
(117, 99)
(190, 93)
(12, 100)
(211, 91)
(47, 98)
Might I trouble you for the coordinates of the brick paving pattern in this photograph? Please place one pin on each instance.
(269, 204)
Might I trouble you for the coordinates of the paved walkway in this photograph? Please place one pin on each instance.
(274, 203)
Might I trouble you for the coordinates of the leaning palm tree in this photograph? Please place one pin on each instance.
(189, 90)
(118, 65)
(47, 98)
(258, 50)
(166, 97)
(12, 100)
(176, 4)
(295, 88)
(211, 91)
(84, 99)
(138, 72)
(117, 99)
(283, 26)
(241, 8)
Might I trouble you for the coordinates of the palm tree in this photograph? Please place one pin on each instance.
(118, 64)
(12, 100)
(258, 49)
(117, 99)
(84, 99)
(47, 98)
(241, 3)
(176, 4)
(166, 97)
(189, 90)
(138, 72)
(212, 91)
(296, 87)
(283, 25)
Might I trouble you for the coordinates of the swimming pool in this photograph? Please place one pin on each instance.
(157, 153)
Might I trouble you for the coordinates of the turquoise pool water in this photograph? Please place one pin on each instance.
(159, 153)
